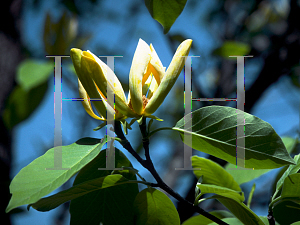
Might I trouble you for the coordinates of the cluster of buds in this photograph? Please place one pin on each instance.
(149, 82)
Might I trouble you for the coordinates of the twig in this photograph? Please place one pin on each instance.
(148, 164)
(271, 218)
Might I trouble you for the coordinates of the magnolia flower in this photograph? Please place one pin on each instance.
(95, 78)
(149, 83)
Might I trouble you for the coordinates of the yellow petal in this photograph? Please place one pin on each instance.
(157, 70)
(152, 88)
(156, 66)
(110, 109)
(86, 81)
(147, 84)
(138, 68)
(170, 77)
(86, 102)
(111, 78)
(146, 75)
(105, 79)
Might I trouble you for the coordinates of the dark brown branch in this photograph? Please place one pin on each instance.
(148, 164)
(271, 218)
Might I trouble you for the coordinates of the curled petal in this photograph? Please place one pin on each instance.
(170, 77)
(111, 77)
(107, 81)
(86, 102)
(86, 82)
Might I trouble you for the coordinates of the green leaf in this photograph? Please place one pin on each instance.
(240, 210)
(231, 221)
(151, 206)
(296, 223)
(286, 212)
(77, 191)
(239, 174)
(279, 174)
(266, 221)
(291, 186)
(292, 169)
(34, 181)
(235, 221)
(202, 220)
(32, 73)
(286, 208)
(213, 173)
(229, 193)
(22, 103)
(165, 12)
(221, 214)
(214, 132)
(290, 143)
(113, 205)
(251, 195)
(32, 76)
(232, 48)
(100, 126)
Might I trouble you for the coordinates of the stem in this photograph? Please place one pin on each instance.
(271, 218)
(159, 129)
(148, 164)
(125, 143)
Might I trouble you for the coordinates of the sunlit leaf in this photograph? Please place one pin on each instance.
(35, 181)
(226, 192)
(202, 220)
(240, 210)
(290, 143)
(239, 173)
(231, 221)
(213, 173)
(296, 223)
(213, 131)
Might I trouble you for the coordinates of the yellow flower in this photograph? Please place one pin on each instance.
(149, 83)
(94, 76)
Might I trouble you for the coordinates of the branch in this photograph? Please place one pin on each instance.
(271, 218)
(148, 164)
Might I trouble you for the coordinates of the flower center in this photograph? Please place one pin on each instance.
(145, 101)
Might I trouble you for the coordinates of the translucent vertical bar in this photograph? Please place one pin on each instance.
(188, 151)
(57, 114)
(240, 133)
(110, 122)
